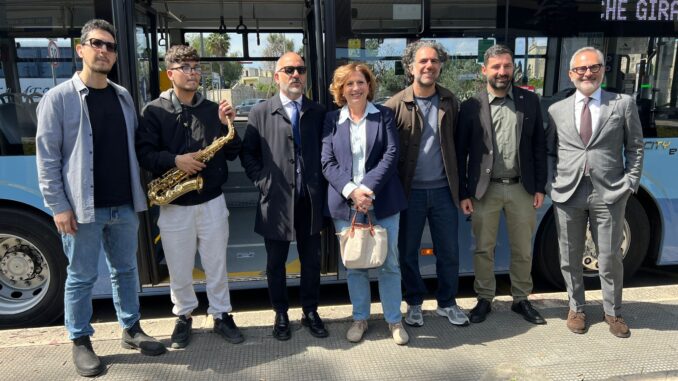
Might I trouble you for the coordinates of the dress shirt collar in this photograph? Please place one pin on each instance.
(286, 101)
(345, 114)
(579, 97)
(509, 94)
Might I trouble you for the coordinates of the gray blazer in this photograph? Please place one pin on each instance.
(64, 144)
(614, 154)
(269, 161)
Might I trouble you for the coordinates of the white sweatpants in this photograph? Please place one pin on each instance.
(185, 229)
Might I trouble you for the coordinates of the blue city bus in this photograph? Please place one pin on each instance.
(240, 41)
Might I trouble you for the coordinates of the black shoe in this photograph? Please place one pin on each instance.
(227, 329)
(135, 338)
(181, 335)
(480, 311)
(524, 308)
(281, 327)
(314, 323)
(86, 362)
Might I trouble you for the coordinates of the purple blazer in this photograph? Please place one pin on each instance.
(381, 164)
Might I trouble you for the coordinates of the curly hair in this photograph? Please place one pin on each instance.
(181, 53)
(341, 75)
(96, 24)
(411, 51)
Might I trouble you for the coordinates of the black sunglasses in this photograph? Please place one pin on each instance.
(289, 70)
(581, 70)
(99, 44)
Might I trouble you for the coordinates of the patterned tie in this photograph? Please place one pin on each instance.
(585, 125)
(295, 126)
(586, 128)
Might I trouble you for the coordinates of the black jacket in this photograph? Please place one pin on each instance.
(269, 161)
(167, 129)
(475, 148)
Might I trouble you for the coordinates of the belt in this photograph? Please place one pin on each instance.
(506, 180)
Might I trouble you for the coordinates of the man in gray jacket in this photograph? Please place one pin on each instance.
(89, 178)
(595, 158)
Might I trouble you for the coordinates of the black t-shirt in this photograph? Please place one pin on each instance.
(112, 186)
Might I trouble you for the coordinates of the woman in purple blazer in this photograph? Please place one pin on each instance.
(359, 160)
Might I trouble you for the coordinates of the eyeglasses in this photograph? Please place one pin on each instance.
(581, 70)
(99, 44)
(188, 69)
(289, 70)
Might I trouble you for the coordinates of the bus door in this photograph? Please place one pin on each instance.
(239, 43)
(144, 81)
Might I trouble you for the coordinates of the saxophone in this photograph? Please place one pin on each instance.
(175, 182)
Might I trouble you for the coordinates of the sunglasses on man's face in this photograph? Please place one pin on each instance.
(581, 70)
(99, 44)
(289, 70)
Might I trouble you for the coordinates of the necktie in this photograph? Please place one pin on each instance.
(299, 182)
(295, 126)
(585, 125)
(585, 128)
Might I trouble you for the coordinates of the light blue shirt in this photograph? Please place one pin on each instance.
(64, 149)
(287, 104)
(358, 133)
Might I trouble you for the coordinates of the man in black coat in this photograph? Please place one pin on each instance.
(502, 167)
(281, 155)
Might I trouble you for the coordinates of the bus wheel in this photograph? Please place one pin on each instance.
(634, 248)
(32, 269)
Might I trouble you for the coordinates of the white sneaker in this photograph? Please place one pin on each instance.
(357, 330)
(454, 314)
(414, 317)
(399, 334)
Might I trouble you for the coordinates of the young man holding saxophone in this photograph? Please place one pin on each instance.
(176, 130)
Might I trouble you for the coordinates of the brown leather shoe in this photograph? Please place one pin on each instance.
(618, 326)
(576, 321)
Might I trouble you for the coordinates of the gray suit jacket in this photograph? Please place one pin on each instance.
(614, 153)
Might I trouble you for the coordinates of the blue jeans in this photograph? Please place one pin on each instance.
(390, 293)
(442, 214)
(116, 228)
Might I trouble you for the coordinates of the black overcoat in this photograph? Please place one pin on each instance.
(268, 159)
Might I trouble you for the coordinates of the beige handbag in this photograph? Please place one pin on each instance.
(363, 246)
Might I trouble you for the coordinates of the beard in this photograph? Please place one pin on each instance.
(100, 66)
(588, 86)
(500, 85)
(286, 88)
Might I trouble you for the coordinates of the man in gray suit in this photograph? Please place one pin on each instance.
(595, 157)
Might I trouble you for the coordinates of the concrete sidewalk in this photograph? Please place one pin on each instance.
(504, 347)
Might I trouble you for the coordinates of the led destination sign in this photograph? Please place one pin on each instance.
(639, 10)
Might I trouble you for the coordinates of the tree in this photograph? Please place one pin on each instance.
(276, 45)
(217, 45)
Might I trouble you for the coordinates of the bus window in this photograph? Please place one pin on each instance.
(530, 62)
(41, 63)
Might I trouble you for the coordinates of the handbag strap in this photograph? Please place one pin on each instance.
(353, 224)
